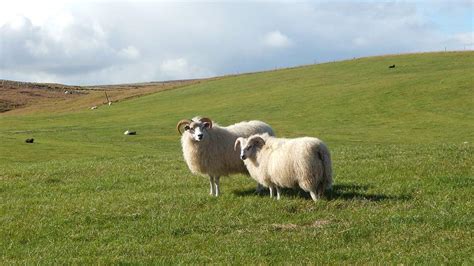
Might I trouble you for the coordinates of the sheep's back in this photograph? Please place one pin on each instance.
(249, 128)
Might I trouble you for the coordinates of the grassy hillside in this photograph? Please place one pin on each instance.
(401, 141)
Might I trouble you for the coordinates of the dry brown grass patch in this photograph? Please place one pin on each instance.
(315, 224)
(26, 97)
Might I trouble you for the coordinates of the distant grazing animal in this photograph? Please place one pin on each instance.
(208, 148)
(30, 140)
(392, 66)
(128, 132)
(278, 162)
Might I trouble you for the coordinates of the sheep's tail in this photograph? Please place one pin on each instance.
(325, 156)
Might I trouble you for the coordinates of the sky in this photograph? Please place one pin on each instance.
(110, 42)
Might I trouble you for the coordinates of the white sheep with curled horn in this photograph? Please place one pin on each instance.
(278, 162)
(208, 148)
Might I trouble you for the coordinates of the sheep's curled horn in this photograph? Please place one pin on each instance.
(238, 142)
(181, 124)
(206, 120)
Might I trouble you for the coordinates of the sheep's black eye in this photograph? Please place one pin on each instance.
(186, 128)
(206, 125)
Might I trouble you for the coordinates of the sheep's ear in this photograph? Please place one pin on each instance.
(237, 143)
(258, 141)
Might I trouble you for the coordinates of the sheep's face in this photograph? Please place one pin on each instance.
(196, 129)
(249, 146)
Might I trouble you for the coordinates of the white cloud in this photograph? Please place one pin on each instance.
(90, 42)
(360, 41)
(130, 52)
(276, 39)
(18, 23)
(178, 65)
(179, 68)
(465, 38)
(58, 50)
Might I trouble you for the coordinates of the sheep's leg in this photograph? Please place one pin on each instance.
(278, 192)
(216, 182)
(314, 195)
(259, 189)
(328, 186)
(211, 182)
(320, 189)
(271, 191)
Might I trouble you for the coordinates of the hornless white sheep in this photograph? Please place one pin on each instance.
(208, 148)
(278, 162)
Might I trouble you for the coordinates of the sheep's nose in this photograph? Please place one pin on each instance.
(243, 157)
(199, 136)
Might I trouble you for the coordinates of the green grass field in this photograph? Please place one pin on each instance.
(402, 147)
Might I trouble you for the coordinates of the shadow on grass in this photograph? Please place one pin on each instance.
(358, 192)
(339, 191)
